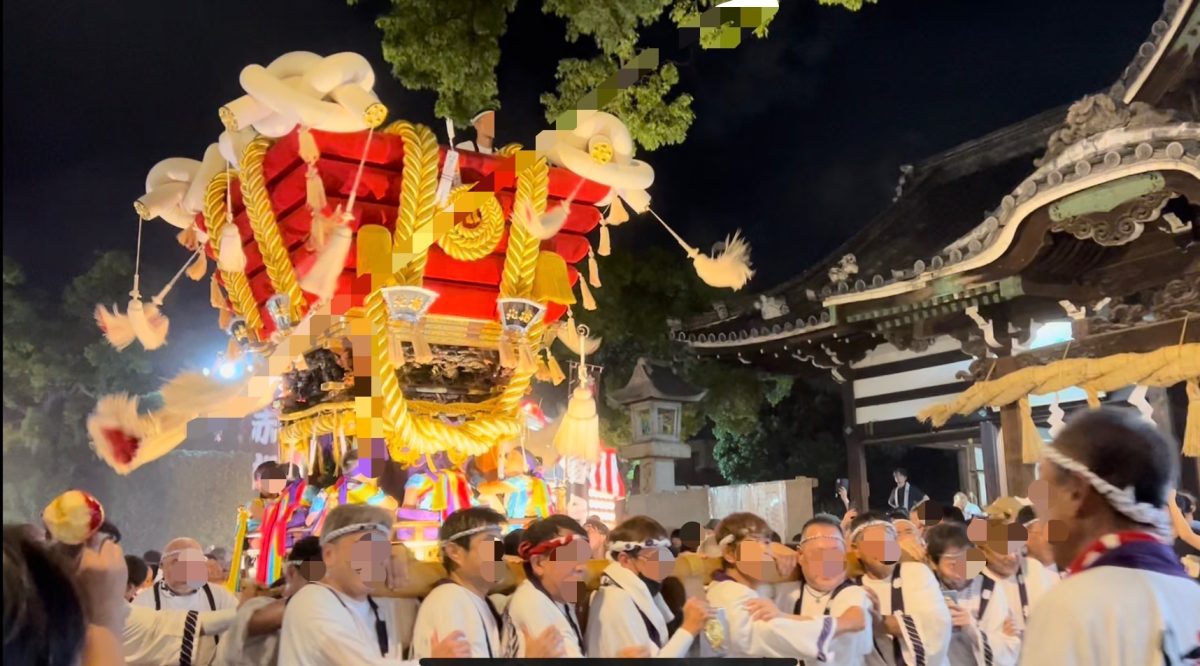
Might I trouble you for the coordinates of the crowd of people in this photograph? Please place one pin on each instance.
(1081, 575)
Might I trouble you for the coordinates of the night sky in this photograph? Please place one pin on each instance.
(798, 139)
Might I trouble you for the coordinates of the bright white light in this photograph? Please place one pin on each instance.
(227, 370)
(206, 372)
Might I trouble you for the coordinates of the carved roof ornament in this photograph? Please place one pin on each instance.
(771, 307)
(721, 309)
(846, 267)
(906, 172)
(1173, 300)
(1118, 227)
(1099, 113)
(908, 340)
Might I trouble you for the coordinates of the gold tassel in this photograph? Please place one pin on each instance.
(605, 241)
(422, 352)
(314, 189)
(508, 355)
(230, 254)
(308, 146)
(593, 269)
(224, 320)
(198, 268)
(1093, 399)
(396, 349)
(542, 373)
(589, 303)
(557, 376)
(551, 282)
(1191, 433)
(525, 360)
(233, 351)
(1031, 439)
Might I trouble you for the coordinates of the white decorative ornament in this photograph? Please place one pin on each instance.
(846, 268)
(600, 148)
(771, 307)
(331, 94)
(1057, 418)
(1137, 398)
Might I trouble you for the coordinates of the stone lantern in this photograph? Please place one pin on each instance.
(655, 397)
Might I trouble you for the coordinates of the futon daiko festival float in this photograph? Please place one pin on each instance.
(393, 298)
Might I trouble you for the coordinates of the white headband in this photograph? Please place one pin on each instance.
(617, 547)
(468, 532)
(1123, 501)
(891, 529)
(816, 537)
(353, 528)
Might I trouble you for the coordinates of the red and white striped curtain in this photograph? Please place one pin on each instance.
(606, 475)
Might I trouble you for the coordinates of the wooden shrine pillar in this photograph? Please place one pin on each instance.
(1017, 473)
(856, 449)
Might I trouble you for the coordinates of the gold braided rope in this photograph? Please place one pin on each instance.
(476, 242)
(266, 228)
(236, 284)
(407, 433)
(296, 434)
(520, 260)
(418, 198)
(509, 150)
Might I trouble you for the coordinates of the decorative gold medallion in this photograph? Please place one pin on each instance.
(714, 632)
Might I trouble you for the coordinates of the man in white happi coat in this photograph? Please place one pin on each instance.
(628, 611)
(998, 600)
(184, 587)
(748, 622)
(1126, 599)
(824, 589)
(336, 621)
(914, 624)
(554, 551)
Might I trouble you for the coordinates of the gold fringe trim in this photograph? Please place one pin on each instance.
(266, 229)
(236, 284)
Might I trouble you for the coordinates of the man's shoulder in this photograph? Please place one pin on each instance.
(222, 595)
(727, 592)
(452, 593)
(916, 573)
(145, 598)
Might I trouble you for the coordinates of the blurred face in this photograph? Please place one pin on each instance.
(297, 576)
(1039, 542)
(655, 563)
(952, 568)
(823, 557)
(900, 478)
(1001, 545)
(270, 485)
(358, 561)
(185, 571)
(486, 126)
(752, 558)
(1063, 495)
(878, 550)
(482, 562)
(561, 571)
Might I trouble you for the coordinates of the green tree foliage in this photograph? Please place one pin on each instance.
(766, 427)
(55, 365)
(452, 47)
(800, 434)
